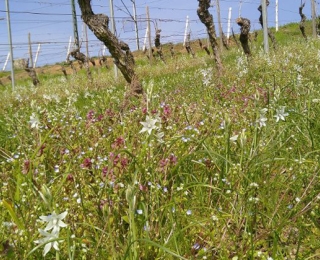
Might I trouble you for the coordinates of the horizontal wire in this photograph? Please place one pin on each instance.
(52, 46)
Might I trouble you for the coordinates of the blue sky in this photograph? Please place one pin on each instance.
(50, 23)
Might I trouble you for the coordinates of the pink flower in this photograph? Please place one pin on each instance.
(90, 115)
(173, 159)
(87, 163)
(26, 167)
(119, 142)
(70, 177)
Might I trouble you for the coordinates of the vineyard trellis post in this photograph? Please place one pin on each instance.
(30, 50)
(37, 55)
(265, 26)
(186, 31)
(10, 44)
(133, 17)
(145, 40)
(6, 62)
(104, 50)
(314, 23)
(75, 25)
(135, 23)
(113, 30)
(69, 47)
(229, 23)
(85, 29)
(277, 15)
(219, 23)
(149, 34)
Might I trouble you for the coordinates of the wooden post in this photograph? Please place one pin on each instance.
(86, 37)
(136, 24)
(113, 30)
(220, 26)
(30, 51)
(75, 25)
(149, 35)
(265, 26)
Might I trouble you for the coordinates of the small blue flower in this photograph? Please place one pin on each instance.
(196, 246)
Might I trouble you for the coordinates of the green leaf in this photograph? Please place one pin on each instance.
(126, 219)
(13, 215)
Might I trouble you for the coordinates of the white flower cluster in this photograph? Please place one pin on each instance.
(34, 121)
(54, 223)
(207, 75)
(151, 124)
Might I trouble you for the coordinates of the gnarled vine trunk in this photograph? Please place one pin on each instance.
(303, 19)
(32, 74)
(120, 51)
(244, 34)
(158, 45)
(80, 57)
(207, 19)
(203, 47)
(188, 46)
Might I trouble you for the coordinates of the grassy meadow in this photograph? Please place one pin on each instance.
(199, 168)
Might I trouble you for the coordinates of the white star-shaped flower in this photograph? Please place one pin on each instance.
(263, 119)
(54, 221)
(45, 240)
(281, 115)
(34, 121)
(234, 138)
(149, 125)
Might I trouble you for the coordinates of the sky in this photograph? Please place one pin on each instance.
(49, 23)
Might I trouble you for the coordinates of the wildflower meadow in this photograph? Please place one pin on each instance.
(199, 167)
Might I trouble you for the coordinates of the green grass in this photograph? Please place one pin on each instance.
(229, 171)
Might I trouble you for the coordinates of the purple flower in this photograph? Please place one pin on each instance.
(87, 163)
(90, 115)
